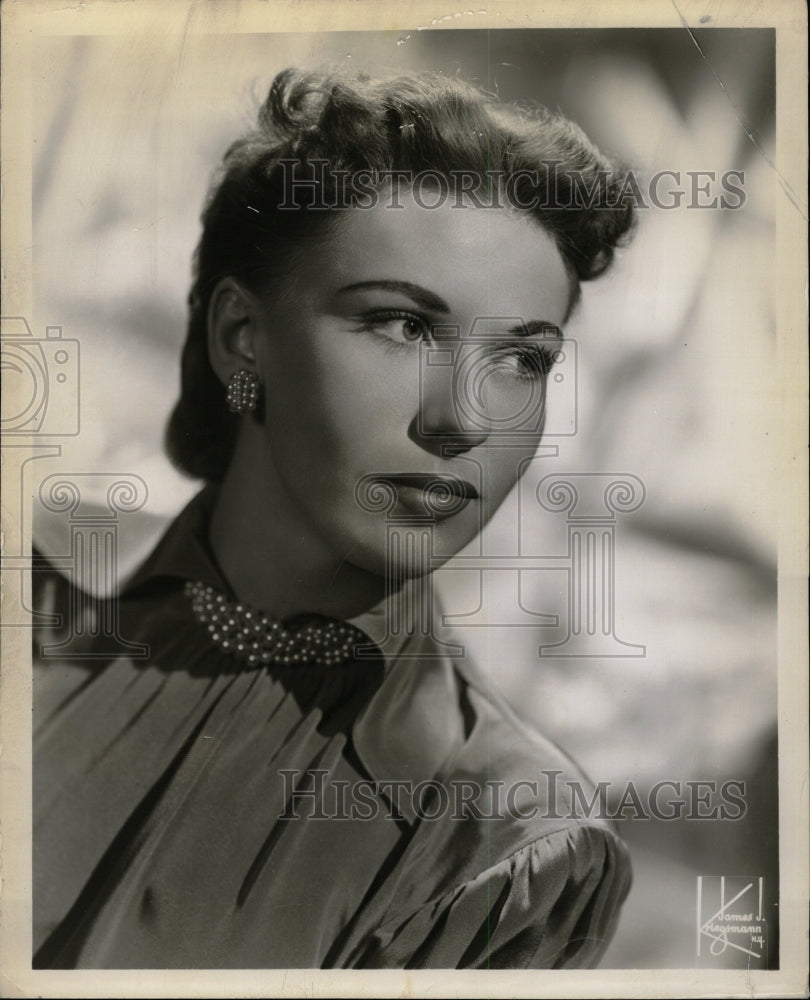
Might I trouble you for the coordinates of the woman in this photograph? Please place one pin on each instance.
(299, 774)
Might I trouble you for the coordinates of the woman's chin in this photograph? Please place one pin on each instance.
(403, 551)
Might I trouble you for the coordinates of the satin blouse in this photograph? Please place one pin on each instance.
(191, 811)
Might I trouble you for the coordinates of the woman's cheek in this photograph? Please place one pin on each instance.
(369, 401)
(502, 471)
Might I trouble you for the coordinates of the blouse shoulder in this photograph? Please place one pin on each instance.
(509, 864)
(553, 903)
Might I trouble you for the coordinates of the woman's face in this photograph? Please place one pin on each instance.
(409, 346)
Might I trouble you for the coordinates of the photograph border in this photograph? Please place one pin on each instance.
(22, 22)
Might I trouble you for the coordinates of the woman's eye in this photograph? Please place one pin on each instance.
(397, 325)
(525, 361)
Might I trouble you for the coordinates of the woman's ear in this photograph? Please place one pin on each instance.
(231, 329)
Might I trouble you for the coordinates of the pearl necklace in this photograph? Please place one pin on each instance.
(254, 637)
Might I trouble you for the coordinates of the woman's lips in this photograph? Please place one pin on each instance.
(437, 495)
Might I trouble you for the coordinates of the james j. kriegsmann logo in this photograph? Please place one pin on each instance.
(731, 927)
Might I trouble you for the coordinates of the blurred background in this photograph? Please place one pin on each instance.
(675, 352)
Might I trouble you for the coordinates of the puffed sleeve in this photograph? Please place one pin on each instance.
(552, 904)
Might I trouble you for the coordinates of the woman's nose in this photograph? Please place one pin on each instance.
(443, 425)
(445, 444)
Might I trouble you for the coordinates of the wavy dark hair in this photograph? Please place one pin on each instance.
(356, 125)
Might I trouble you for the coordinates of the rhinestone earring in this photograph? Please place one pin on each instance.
(243, 391)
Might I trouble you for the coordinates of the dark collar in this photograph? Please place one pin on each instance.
(183, 550)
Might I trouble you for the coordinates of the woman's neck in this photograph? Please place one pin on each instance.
(271, 555)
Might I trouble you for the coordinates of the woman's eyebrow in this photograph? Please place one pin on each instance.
(537, 327)
(421, 296)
